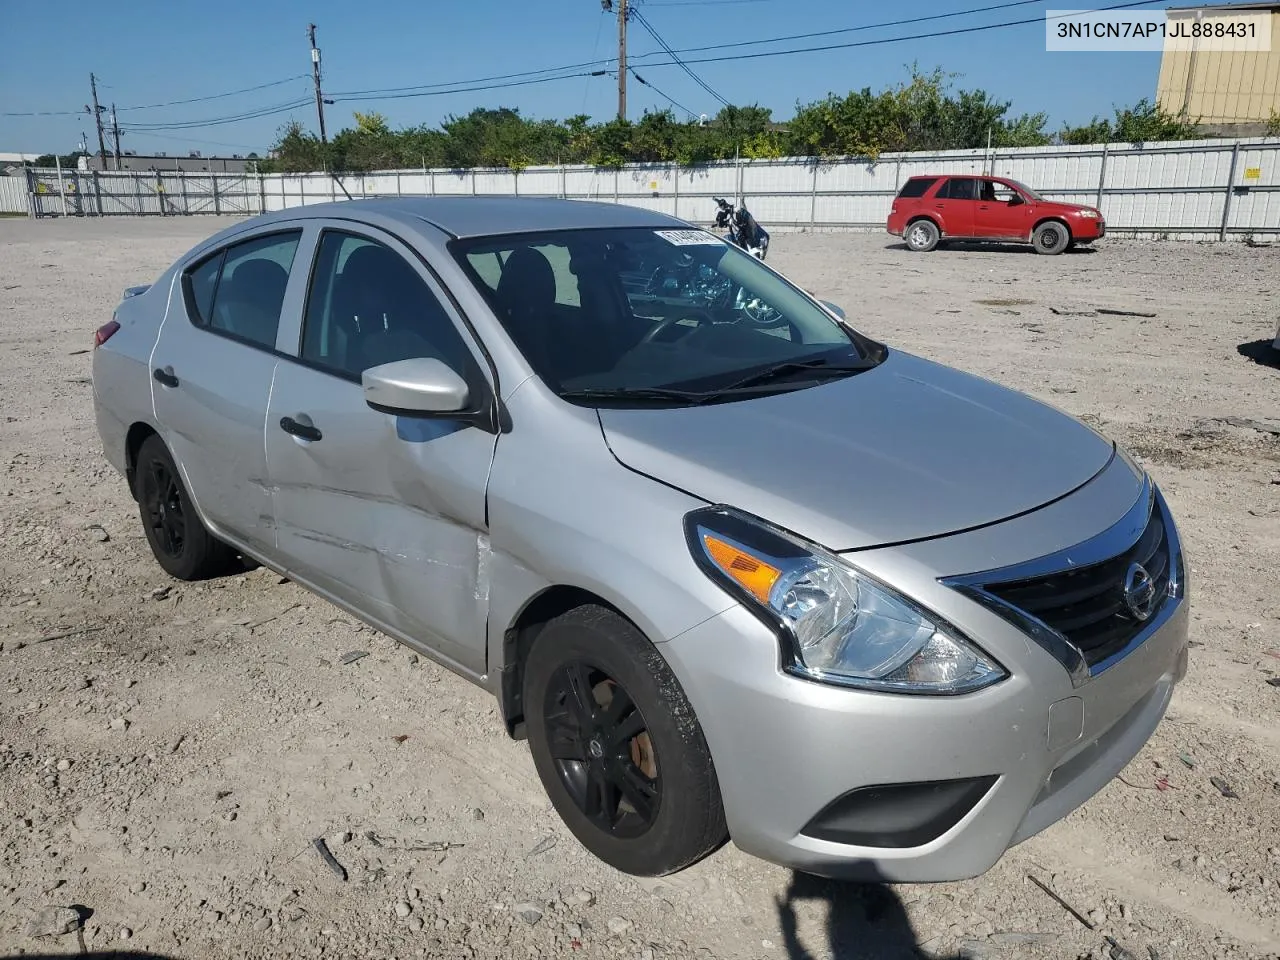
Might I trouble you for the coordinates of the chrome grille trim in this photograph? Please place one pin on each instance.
(1112, 543)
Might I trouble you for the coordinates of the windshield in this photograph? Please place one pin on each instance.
(636, 310)
(1024, 189)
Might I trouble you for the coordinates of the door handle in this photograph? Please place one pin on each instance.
(165, 376)
(303, 431)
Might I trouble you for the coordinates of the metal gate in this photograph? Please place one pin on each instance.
(78, 193)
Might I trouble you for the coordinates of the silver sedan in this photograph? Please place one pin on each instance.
(732, 567)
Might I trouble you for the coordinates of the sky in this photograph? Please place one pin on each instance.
(146, 52)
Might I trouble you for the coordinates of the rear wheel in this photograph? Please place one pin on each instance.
(617, 746)
(922, 235)
(1051, 238)
(180, 542)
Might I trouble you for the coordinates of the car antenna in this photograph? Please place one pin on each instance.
(339, 182)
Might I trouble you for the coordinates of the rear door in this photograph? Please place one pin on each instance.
(954, 204)
(385, 513)
(212, 369)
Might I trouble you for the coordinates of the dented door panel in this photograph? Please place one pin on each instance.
(387, 513)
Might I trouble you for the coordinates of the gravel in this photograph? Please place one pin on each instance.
(220, 693)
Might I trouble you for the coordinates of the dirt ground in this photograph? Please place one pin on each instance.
(169, 751)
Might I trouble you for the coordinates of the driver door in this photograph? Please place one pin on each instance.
(998, 214)
(385, 513)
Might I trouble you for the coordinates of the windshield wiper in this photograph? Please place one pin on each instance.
(818, 365)
(660, 394)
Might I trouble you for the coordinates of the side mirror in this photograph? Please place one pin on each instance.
(838, 311)
(1016, 200)
(418, 386)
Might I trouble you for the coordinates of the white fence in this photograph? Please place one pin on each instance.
(13, 195)
(1208, 189)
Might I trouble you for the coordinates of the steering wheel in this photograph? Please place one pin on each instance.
(668, 322)
(761, 313)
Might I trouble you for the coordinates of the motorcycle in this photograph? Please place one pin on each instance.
(744, 230)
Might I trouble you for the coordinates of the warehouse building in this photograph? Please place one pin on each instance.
(191, 163)
(1228, 92)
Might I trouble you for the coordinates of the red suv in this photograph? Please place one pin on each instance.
(929, 209)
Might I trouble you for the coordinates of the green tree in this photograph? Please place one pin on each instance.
(1144, 122)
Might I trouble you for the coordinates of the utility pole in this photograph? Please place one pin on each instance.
(315, 73)
(97, 118)
(115, 133)
(622, 59)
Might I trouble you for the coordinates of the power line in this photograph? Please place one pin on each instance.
(643, 21)
(166, 103)
(42, 113)
(674, 103)
(872, 43)
(347, 94)
(472, 89)
(858, 29)
(218, 121)
(217, 96)
(595, 48)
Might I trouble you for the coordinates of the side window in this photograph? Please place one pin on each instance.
(200, 284)
(1001, 193)
(959, 188)
(916, 187)
(240, 290)
(367, 306)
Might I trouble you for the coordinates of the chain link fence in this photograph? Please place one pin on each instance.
(82, 193)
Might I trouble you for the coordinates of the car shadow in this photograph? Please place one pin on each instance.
(971, 246)
(1261, 352)
(865, 921)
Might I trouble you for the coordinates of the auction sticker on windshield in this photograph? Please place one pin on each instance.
(688, 238)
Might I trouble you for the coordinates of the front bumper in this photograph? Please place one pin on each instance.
(1088, 228)
(1035, 745)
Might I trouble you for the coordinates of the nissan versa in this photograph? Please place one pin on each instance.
(733, 568)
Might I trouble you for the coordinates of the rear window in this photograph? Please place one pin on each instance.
(917, 186)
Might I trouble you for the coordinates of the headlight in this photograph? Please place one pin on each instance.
(1089, 213)
(836, 623)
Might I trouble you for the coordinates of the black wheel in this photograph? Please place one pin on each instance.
(181, 544)
(617, 746)
(1050, 238)
(922, 235)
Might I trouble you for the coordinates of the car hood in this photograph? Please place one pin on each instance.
(905, 451)
(1057, 206)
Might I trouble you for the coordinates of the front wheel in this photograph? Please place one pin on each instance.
(1051, 238)
(617, 746)
(922, 236)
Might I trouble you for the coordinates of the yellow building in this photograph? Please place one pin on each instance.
(1228, 92)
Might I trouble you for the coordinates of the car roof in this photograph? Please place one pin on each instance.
(485, 216)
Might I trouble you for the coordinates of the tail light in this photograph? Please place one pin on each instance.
(104, 332)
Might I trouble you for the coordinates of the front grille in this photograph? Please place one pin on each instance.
(1086, 604)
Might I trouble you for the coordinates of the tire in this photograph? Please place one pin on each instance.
(676, 817)
(1051, 237)
(178, 539)
(922, 235)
